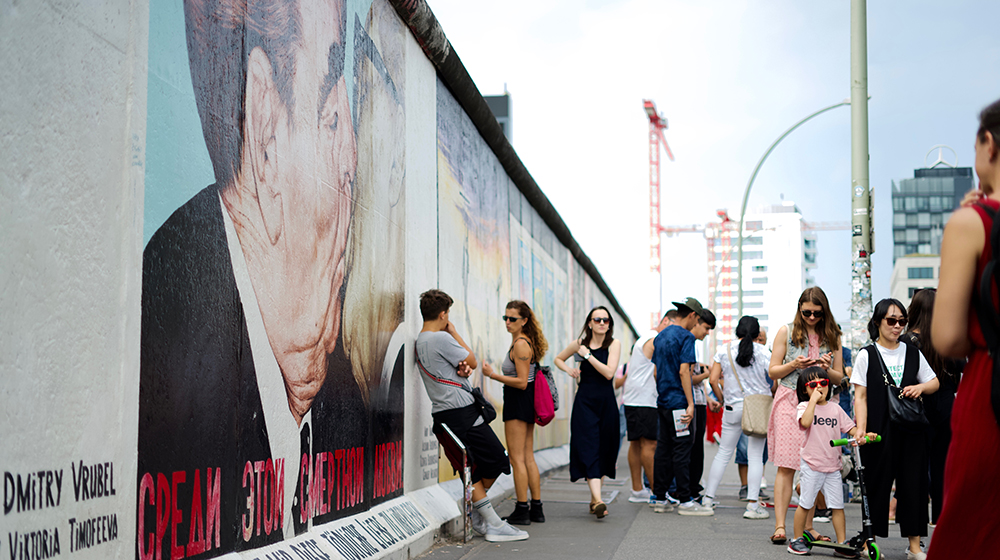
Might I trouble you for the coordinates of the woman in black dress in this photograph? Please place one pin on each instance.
(594, 429)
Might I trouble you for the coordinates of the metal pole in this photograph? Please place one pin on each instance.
(861, 203)
(746, 195)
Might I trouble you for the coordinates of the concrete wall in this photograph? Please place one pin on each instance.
(220, 339)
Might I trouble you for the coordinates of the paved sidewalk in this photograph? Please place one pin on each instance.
(633, 531)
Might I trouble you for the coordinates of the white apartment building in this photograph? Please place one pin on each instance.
(778, 256)
(912, 273)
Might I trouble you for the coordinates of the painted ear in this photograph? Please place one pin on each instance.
(264, 110)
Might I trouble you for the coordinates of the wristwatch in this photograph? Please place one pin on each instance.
(587, 357)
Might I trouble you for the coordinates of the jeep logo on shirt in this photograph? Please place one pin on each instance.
(832, 422)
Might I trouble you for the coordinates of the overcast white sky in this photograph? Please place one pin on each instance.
(730, 77)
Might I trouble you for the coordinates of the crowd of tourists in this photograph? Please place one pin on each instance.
(782, 405)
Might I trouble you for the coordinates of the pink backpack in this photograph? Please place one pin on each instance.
(545, 409)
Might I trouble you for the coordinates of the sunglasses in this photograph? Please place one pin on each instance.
(891, 321)
(808, 313)
(511, 319)
(817, 383)
(601, 319)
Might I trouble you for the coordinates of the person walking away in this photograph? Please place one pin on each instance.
(902, 455)
(640, 413)
(699, 392)
(937, 405)
(445, 362)
(672, 352)
(527, 348)
(594, 430)
(969, 522)
(822, 421)
(739, 369)
(811, 339)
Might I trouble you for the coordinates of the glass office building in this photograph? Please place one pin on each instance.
(922, 205)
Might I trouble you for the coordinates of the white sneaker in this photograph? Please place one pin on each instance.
(478, 523)
(661, 506)
(709, 501)
(763, 483)
(756, 510)
(694, 508)
(640, 497)
(505, 533)
(673, 500)
(915, 555)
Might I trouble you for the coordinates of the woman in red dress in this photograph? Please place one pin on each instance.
(969, 523)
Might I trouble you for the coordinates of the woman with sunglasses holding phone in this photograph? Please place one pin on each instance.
(902, 455)
(527, 347)
(594, 428)
(811, 339)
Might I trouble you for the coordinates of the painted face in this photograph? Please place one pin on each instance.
(892, 325)
(811, 313)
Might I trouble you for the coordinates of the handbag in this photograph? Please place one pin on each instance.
(544, 405)
(485, 407)
(756, 408)
(546, 372)
(903, 410)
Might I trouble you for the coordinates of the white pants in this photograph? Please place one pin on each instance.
(732, 429)
(811, 482)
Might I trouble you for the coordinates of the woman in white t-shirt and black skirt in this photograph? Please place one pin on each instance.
(903, 454)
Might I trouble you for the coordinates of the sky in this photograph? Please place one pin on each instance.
(730, 77)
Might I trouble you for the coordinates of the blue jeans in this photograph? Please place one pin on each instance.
(741, 451)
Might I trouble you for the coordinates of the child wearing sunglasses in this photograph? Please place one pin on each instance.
(820, 463)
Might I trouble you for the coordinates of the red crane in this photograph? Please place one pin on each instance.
(657, 124)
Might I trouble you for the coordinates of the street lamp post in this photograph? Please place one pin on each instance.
(746, 195)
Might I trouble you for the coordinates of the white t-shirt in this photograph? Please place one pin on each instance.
(754, 378)
(895, 362)
(640, 385)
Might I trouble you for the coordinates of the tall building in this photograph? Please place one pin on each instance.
(500, 106)
(922, 205)
(778, 257)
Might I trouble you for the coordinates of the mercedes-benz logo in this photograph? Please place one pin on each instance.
(940, 156)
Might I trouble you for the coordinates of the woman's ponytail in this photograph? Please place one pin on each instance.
(747, 330)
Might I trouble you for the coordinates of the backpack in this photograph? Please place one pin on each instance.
(986, 307)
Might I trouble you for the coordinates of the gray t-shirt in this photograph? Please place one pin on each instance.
(440, 354)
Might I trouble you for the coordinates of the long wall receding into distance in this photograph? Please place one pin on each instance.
(218, 218)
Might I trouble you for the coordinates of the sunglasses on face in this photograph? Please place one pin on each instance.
(891, 321)
(601, 319)
(808, 313)
(511, 319)
(817, 383)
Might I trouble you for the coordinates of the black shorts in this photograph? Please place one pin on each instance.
(641, 422)
(519, 404)
(487, 456)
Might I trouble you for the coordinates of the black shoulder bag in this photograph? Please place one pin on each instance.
(903, 411)
(486, 409)
(986, 309)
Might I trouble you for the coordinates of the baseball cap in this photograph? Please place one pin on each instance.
(689, 303)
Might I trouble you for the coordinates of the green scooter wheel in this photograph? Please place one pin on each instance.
(873, 552)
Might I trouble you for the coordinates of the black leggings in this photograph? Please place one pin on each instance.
(901, 456)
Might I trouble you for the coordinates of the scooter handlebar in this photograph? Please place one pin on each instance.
(846, 441)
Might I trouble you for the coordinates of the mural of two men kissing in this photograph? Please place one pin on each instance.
(270, 392)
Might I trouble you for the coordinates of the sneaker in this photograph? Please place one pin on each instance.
(661, 506)
(694, 508)
(505, 532)
(536, 513)
(762, 495)
(798, 546)
(823, 515)
(743, 493)
(640, 497)
(520, 515)
(763, 483)
(478, 523)
(673, 500)
(756, 510)
(846, 553)
(709, 501)
(915, 555)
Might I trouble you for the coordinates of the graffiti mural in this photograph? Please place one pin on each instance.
(270, 394)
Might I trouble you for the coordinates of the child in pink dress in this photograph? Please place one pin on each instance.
(821, 421)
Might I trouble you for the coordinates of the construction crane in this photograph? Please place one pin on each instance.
(657, 124)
